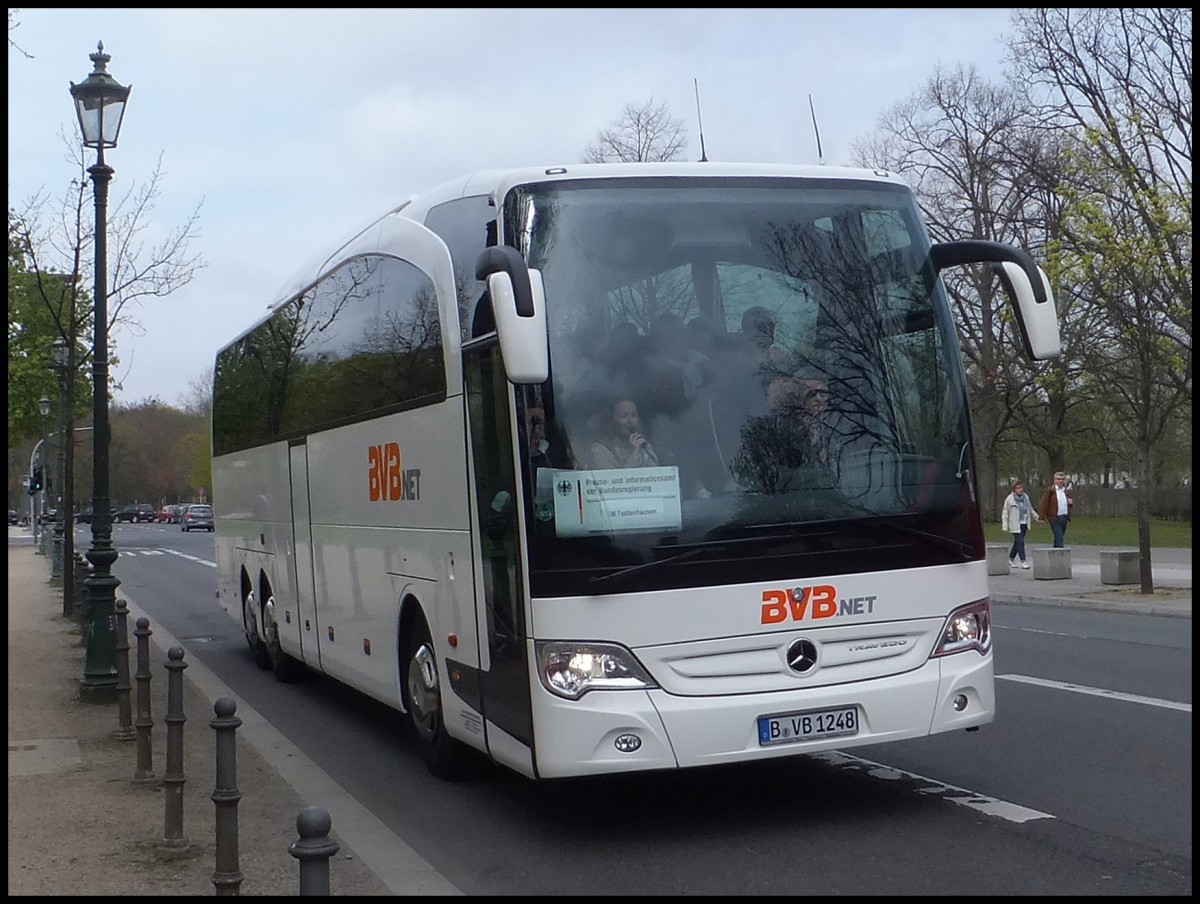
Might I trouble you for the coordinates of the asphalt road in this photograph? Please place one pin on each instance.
(1082, 785)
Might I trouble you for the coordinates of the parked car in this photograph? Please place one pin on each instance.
(197, 516)
(85, 516)
(12, 516)
(141, 513)
(169, 514)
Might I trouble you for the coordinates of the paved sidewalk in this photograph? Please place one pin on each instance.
(79, 824)
(1171, 569)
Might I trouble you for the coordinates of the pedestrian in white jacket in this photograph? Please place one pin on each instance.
(1016, 514)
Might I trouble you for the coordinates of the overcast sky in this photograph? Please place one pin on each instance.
(295, 126)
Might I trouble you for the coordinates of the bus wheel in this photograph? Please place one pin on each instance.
(282, 664)
(250, 622)
(445, 756)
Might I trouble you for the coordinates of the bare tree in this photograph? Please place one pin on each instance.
(198, 398)
(13, 25)
(645, 133)
(1120, 78)
(953, 141)
(57, 261)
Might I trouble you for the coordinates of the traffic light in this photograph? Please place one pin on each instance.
(35, 480)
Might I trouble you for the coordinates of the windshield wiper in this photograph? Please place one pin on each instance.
(946, 543)
(619, 577)
(691, 550)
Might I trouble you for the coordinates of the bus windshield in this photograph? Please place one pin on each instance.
(750, 379)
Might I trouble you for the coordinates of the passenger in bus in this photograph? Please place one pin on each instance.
(792, 435)
(814, 409)
(626, 358)
(546, 448)
(677, 371)
(757, 342)
(624, 443)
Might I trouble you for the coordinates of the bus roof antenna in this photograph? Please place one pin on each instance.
(813, 110)
(703, 156)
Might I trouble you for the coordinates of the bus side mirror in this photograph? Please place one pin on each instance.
(1036, 320)
(1025, 283)
(519, 307)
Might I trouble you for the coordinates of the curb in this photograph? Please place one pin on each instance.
(1180, 607)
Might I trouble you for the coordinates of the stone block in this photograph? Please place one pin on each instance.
(997, 559)
(1120, 566)
(1051, 564)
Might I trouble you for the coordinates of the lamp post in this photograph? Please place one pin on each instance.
(58, 354)
(100, 106)
(39, 495)
(64, 535)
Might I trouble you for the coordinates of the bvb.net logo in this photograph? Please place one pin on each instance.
(565, 487)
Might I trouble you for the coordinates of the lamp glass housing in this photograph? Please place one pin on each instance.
(58, 353)
(100, 104)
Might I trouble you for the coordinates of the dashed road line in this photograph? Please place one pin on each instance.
(981, 802)
(1098, 692)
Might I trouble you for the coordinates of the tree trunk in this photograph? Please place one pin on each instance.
(1143, 518)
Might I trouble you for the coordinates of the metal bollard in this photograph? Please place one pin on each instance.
(173, 779)
(82, 606)
(56, 550)
(144, 723)
(313, 850)
(124, 730)
(227, 877)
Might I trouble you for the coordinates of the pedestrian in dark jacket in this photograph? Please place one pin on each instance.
(1055, 507)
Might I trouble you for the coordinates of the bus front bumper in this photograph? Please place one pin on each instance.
(626, 731)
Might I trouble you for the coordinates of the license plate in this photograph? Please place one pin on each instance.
(789, 728)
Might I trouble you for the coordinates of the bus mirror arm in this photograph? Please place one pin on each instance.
(1024, 282)
(519, 307)
(505, 259)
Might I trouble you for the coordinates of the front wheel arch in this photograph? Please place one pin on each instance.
(422, 695)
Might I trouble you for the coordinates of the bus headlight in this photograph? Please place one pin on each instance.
(967, 628)
(572, 669)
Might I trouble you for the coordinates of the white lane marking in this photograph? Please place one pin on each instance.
(171, 552)
(981, 802)
(184, 555)
(1098, 692)
(1040, 631)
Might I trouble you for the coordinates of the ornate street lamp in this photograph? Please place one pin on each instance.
(58, 355)
(100, 105)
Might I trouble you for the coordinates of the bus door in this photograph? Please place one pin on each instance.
(500, 610)
(306, 629)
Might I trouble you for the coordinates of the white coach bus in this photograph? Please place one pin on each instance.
(415, 490)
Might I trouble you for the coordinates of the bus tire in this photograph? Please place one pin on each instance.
(446, 757)
(283, 665)
(258, 649)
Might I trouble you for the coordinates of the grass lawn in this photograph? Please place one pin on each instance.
(1110, 532)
